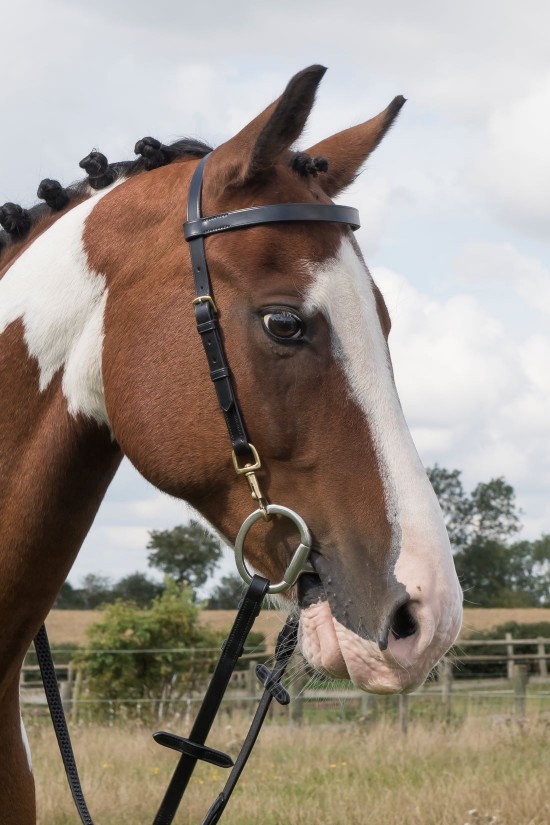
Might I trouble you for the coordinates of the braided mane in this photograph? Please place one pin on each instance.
(17, 221)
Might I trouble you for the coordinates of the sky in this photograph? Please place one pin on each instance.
(453, 204)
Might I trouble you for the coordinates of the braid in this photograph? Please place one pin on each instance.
(100, 173)
(308, 166)
(53, 193)
(15, 219)
(153, 152)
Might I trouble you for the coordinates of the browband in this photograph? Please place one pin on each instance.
(275, 213)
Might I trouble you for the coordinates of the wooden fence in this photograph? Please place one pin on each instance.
(244, 687)
(538, 656)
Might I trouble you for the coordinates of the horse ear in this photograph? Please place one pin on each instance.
(348, 150)
(257, 147)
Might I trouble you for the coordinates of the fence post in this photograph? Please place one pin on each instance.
(521, 677)
(368, 707)
(77, 687)
(296, 690)
(446, 679)
(66, 689)
(541, 651)
(403, 712)
(509, 657)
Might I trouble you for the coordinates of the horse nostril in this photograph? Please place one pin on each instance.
(403, 623)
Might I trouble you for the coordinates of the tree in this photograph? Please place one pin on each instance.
(69, 598)
(227, 594)
(489, 513)
(96, 591)
(494, 571)
(454, 502)
(185, 650)
(483, 569)
(530, 570)
(137, 588)
(185, 553)
(493, 514)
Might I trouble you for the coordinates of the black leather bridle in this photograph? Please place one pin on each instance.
(192, 749)
(195, 230)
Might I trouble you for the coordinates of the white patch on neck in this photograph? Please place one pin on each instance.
(26, 745)
(343, 290)
(61, 302)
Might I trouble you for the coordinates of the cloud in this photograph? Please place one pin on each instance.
(504, 268)
(475, 396)
(513, 167)
(467, 157)
(443, 353)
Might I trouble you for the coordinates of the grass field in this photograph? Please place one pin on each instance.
(474, 774)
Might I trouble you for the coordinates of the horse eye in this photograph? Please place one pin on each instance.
(282, 323)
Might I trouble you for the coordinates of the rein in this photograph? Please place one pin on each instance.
(246, 462)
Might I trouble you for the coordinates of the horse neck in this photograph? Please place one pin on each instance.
(58, 456)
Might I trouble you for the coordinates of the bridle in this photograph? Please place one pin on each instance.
(195, 230)
(246, 462)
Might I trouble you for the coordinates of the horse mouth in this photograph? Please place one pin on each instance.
(393, 663)
(310, 590)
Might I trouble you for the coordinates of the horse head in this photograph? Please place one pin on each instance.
(305, 330)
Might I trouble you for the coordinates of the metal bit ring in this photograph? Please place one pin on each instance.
(298, 562)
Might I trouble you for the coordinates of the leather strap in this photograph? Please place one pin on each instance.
(286, 645)
(274, 213)
(193, 748)
(195, 229)
(231, 651)
(208, 328)
(55, 705)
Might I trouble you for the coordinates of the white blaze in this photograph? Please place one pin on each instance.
(61, 302)
(342, 290)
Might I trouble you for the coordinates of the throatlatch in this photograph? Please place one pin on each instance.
(246, 462)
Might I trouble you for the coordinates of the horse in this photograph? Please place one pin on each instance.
(99, 359)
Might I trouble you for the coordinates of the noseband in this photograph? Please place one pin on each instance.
(195, 230)
(193, 748)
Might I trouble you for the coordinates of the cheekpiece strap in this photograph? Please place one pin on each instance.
(206, 317)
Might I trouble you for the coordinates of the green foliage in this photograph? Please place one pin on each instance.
(227, 594)
(493, 570)
(98, 591)
(137, 588)
(114, 667)
(454, 502)
(489, 513)
(185, 553)
(62, 652)
(493, 515)
(69, 598)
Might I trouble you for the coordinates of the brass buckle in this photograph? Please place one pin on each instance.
(205, 299)
(249, 472)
